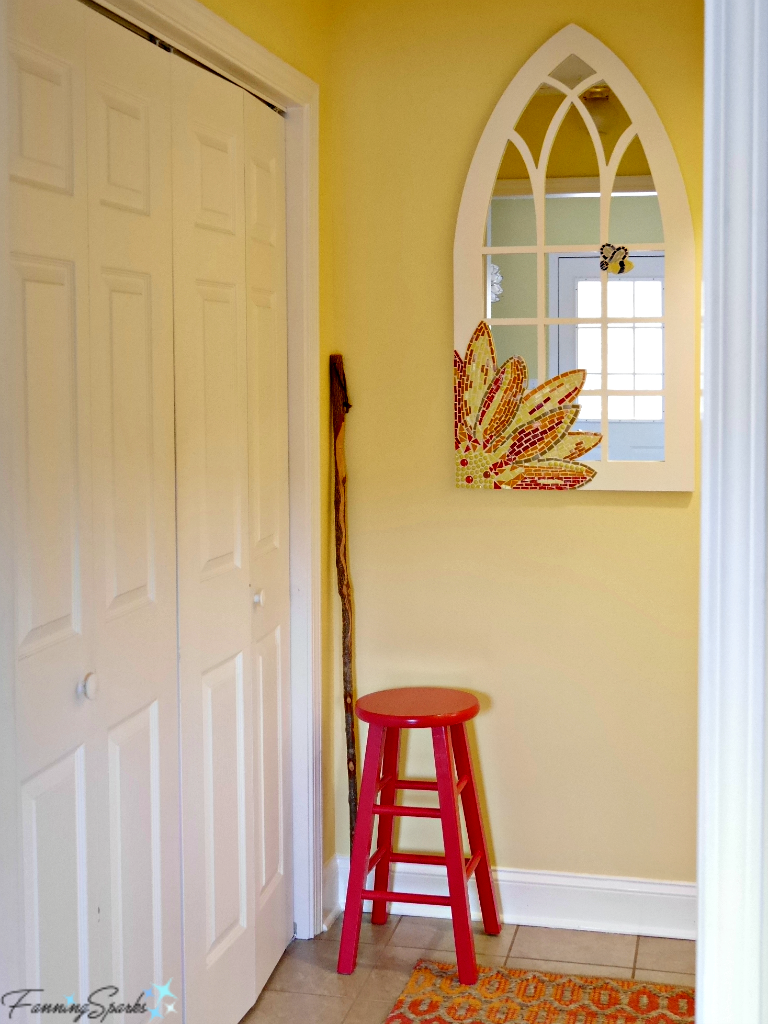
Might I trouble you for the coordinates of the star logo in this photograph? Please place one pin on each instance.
(157, 1011)
(70, 1000)
(164, 991)
(171, 1008)
(147, 993)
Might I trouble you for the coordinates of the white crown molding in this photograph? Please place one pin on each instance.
(549, 899)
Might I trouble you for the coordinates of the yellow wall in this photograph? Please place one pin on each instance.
(574, 615)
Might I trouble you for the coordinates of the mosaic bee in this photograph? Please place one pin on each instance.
(613, 258)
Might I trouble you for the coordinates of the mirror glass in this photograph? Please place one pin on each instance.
(552, 296)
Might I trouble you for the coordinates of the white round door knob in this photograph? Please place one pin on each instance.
(258, 598)
(89, 686)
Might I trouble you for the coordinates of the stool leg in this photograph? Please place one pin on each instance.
(454, 856)
(361, 848)
(386, 821)
(475, 831)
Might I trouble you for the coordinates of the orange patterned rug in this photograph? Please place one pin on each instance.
(504, 994)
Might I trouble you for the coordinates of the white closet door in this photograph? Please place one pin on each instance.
(213, 545)
(57, 733)
(268, 454)
(95, 502)
(131, 299)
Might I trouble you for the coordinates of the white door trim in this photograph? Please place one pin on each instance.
(10, 812)
(733, 756)
(196, 31)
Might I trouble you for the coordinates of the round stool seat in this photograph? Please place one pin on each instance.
(417, 707)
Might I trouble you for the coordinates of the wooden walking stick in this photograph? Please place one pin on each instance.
(340, 405)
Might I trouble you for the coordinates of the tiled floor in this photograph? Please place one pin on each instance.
(305, 987)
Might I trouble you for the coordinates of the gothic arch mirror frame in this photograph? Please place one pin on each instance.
(676, 471)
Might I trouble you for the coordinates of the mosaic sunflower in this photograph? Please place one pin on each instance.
(506, 437)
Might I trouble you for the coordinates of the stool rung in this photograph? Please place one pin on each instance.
(407, 812)
(405, 897)
(422, 784)
(418, 858)
(469, 870)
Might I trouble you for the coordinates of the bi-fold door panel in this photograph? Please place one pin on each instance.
(269, 566)
(214, 594)
(94, 486)
(131, 253)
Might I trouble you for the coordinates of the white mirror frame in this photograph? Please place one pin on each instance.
(676, 472)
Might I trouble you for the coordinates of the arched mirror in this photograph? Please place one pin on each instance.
(574, 244)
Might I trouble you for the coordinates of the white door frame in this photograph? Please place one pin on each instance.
(732, 967)
(194, 30)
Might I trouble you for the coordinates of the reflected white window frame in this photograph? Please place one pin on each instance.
(676, 472)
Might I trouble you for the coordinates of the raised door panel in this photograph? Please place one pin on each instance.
(214, 595)
(40, 90)
(49, 578)
(225, 820)
(268, 463)
(55, 878)
(136, 852)
(129, 513)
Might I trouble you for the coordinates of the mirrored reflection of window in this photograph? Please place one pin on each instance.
(573, 176)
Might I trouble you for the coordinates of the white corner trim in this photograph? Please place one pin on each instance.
(732, 954)
(193, 29)
(549, 899)
(332, 890)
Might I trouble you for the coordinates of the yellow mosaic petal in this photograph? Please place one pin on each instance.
(554, 475)
(501, 401)
(479, 369)
(556, 393)
(574, 445)
(537, 437)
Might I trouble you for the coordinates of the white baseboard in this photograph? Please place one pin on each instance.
(551, 899)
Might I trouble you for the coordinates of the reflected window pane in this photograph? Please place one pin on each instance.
(621, 350)
(648, 407)
(621, 298)
(648, 298)
(589, 349)
(621, 407)
(649, 349)
(589, 299)
(591, 409)
(649, 381)
(621, 381)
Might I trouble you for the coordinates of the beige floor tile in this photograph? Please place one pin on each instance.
(563, 967)
(448, 956)
(374, 1011)
(437, 933)
(310, 967)
(667, 955)
(574, 946)
(667, 977)
(290, 1007)
(423, 933)
(375, 934)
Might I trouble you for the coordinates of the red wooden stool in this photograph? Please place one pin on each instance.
(444, 712)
